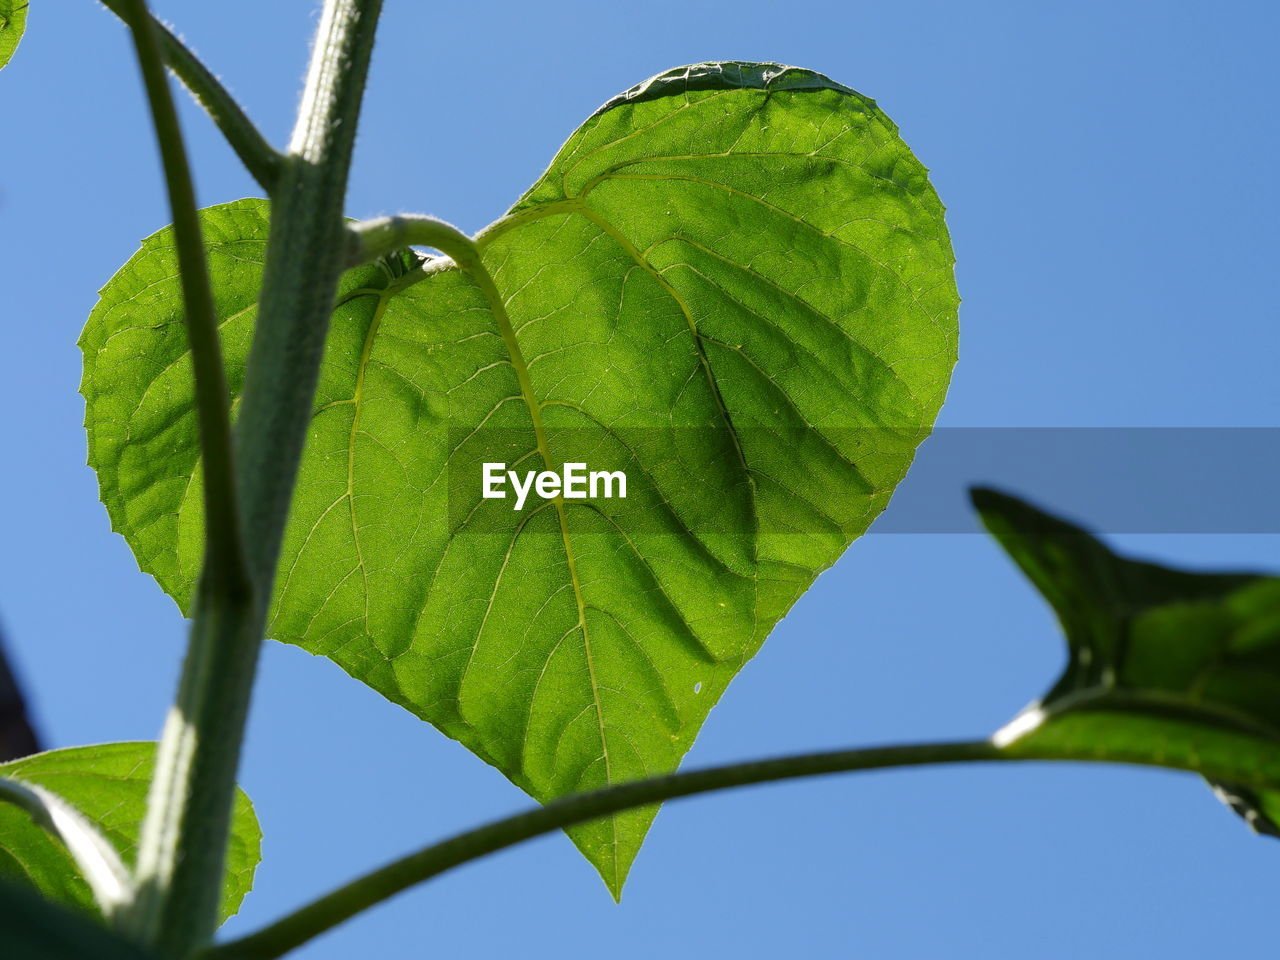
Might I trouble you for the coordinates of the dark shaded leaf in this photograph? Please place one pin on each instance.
(1166, 667)
(33, 928)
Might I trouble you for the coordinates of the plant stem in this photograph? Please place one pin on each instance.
(224, 601)
(183, 848)
(261, 159)
(224, 557)
(370, 239)
(306, 254)
(99, 863)
(360, 894)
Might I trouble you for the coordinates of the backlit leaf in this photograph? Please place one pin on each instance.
(734, 284)
(107, 783)
(13, 21)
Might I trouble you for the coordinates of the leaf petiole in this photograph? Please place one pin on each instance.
(101, 866)
(261, 159)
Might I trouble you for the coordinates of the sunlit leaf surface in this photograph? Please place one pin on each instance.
(107, 783)
(733, 284)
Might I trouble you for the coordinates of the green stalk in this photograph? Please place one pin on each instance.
(99, 863)
(306, 254)
(172, 905)
(370, 239)
(183, 847)
(352, 898)
(223, 552)
(360, 894)
(258, 156)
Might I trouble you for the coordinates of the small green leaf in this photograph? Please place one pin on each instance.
(36, 928)
(1166, 667)
(734, 283)
(95, 857)
(13, 21)
(107, 783)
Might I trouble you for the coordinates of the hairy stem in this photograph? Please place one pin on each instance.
(370, 239)
(362, 893)
(99, 863)
(224, 558)
(306, 254)
(261, 159)
(183, 848)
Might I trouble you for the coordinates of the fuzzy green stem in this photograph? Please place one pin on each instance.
(99, 863)
(306, 254)
(360, 894)
(224, 557)
(183, 847)
(350, 899)
(179, 872)
(370, 239)
(261, 159)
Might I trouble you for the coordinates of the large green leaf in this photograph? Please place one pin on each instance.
(13, 20)
(734, 283)
(1166, 667)
(107, 783)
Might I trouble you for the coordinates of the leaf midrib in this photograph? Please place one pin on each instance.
(480, 275)
(357, 396)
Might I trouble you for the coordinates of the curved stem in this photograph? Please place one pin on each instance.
(184, 840)
(97, 859)
(261, 159)
(224, 550)
(178, 861)
(360, 894)
(370, 239)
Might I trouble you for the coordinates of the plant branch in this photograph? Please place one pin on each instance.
(183, 848)
(97, 859)
(386, 882)
(224, 594)
(224, 556)
(370, 239)
(261, 159)
(360, 894)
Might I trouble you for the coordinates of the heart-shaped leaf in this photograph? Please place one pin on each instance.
(733, 284)
(107, 783)
(1165, 667)
(13, 21)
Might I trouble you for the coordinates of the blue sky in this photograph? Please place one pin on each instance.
(1109, 174)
